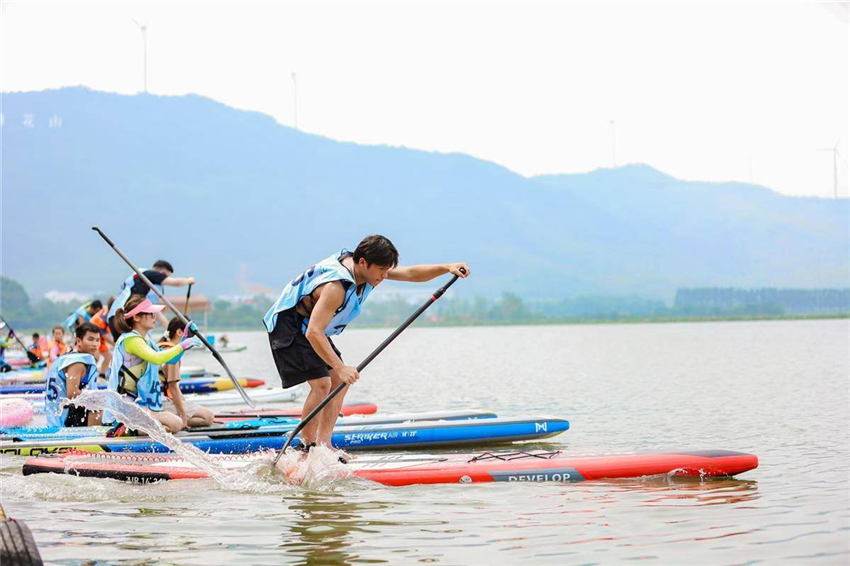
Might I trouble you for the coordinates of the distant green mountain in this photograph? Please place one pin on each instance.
(211, 188)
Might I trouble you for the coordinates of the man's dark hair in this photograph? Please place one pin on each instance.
(84, 329)
(377, 250)
(162, 264)
(35, 335)
(96, 304)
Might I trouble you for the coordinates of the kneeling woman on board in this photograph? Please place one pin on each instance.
(189, 413)
(68, 375)
(134, 371)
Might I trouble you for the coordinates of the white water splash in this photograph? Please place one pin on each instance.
(320, 470)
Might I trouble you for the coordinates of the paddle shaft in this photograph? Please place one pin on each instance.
(30, 356)
(437, 294)
(179, 315)
(186, 306)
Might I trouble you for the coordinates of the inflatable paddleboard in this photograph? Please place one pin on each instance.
(23, 362)
(220, 349)
(259, 396)
(262, 396)
(64, 433)
(345, 410)
(190, 385)
(15, 412)
(355, 437)
(21, 378)
(400, 469)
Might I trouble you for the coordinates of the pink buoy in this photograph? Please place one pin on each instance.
(15, 412)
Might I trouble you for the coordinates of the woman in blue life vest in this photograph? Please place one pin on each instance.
(322, 302)
(69, 375)
(134, 371)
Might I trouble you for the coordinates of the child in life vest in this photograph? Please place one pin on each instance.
(192, 415)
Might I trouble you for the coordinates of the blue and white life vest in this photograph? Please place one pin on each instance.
(126, 291)
(323, 272)
(82, 311)
(148, 387)
(56, 385)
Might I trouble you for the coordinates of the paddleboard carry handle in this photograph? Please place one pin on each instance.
(437, 294)
(179, 315)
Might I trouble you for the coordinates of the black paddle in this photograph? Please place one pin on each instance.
(437, 294)
(30, 356)
(186, 306)
(179, 315)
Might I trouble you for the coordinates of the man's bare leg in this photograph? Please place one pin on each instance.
(330, 414)
(319, 389)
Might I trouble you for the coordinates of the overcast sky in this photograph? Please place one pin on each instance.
(702, 91)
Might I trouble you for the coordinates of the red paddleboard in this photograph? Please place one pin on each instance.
(409, 469)
(345, 411)
(563, 467)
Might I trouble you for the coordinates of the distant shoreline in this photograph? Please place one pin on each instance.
(25, 333)
(570, 322)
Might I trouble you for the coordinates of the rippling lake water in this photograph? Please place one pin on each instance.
(780, 390)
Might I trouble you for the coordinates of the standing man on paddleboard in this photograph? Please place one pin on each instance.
(320, 303)
(162, 273)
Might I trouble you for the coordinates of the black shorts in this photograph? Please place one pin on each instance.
(77, 416)
(294, 356)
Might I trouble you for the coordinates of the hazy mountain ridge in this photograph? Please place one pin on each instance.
(210, 188)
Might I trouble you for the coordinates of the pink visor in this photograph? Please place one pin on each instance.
(144, 306)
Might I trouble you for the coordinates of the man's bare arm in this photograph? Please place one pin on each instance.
(73, 377)
(178, 281)
(426, 272)
(331, 296)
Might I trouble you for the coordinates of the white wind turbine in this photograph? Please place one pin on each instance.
(835, 155)
(144, 29)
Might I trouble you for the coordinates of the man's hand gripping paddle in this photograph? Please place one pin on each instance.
(179, 315)
(437, 294)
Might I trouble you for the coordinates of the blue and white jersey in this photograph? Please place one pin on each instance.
(323, 272)
(82, 311)
(127, 290)
(56, 385)
(148, 391)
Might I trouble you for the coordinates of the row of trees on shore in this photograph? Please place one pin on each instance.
(706, 303)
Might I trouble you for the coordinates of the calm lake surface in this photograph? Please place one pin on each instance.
(780, 390)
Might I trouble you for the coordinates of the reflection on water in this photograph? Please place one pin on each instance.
(777, 389)
(690, 491)
(321, 534)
